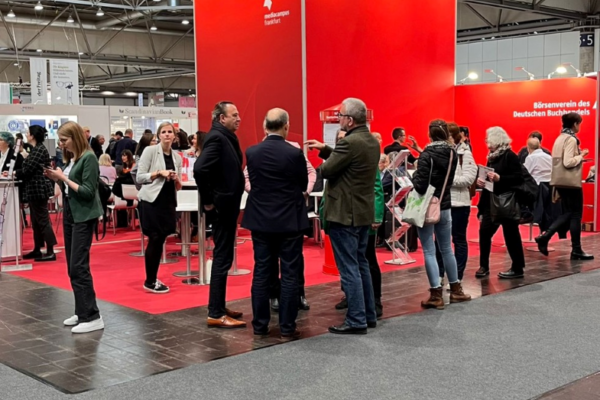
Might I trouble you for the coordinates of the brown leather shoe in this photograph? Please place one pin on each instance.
(435, 299)
(233, 314)
(225, 322)
(456, 293)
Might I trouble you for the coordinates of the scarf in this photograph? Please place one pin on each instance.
(570, 132)
(498, 152)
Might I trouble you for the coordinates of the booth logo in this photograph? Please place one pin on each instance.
(146, 111)
(274, 18)
(13, 126)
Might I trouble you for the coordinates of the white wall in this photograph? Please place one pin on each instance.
(539, 54)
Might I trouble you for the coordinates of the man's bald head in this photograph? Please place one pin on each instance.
(533, 144)
(277, 121)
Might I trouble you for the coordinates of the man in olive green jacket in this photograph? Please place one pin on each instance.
(349, 211)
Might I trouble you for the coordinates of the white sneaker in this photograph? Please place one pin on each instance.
(91, 326)
(72, 321)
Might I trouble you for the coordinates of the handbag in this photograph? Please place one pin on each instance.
(504, 207)
(563, 177)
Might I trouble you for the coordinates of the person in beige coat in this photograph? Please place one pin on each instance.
(567, 156)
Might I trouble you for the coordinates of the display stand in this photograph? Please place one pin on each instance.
(11, 187)
(401, 186)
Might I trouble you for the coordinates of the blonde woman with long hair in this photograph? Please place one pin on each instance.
(82, 208)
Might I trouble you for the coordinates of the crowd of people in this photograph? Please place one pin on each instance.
(278, 179)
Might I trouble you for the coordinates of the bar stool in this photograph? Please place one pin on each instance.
(187, 202)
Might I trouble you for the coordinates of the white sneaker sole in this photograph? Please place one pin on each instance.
(155, 291)
(87, 327)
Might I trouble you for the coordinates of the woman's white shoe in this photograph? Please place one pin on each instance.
(91, 326)
(71, 321)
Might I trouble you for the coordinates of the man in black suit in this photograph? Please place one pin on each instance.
(276, 215)
(127, 143)
(94, 143)
(220, 180)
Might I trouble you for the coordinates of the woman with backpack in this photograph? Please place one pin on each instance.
(82, 208)
(507, 178)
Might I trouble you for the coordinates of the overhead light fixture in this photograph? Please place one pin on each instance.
(131, 94)
(125, 117)
(70, 19)
(472, 76)
(99, 13)
(38, 6)
(153, 27)
(185, 22)
(39, 50)
(107, 93)
(16, 64)
(81, 53)
(491, 71)
(11, 14)
(565, 65)
(531, 76)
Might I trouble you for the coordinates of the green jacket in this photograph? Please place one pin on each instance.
(349, 171)
(85, 202)
(379, 206)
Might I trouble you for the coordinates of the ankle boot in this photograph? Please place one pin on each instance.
(435, 299)
(456, 293)
(578, 254)
(542, 242)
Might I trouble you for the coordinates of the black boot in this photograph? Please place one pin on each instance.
(542, 242)
(378, 308)
(578, 254)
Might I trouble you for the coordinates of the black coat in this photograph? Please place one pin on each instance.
(96, 146)
(397, 147)
(439, 156)
(124, 144)
(10, 156)
(218, 171)
(506, 165)
(37, 186)
(278, 179)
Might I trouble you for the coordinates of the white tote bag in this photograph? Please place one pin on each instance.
(416, 207)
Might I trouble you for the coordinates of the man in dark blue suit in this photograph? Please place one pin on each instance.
(276, 215)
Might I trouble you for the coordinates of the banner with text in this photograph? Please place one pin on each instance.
(64, 81)
(39, 80)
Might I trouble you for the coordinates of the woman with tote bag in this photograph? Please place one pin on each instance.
(565, 181)
(436, 168)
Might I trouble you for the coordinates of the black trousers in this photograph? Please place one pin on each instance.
(224, 224)
(284, 250)
(572, 211)
(78, 242)
(512, 238)
(41, 225)
(152, 256)
(275, 282)
(374, 267)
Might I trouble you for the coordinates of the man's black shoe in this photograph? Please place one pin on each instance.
(342, 305)
(510, 274)
(303, 304)
(482, 272)
(46, 258)
(347, 330)
(371, 324)
(291, 336)
(275, 304)
(32, 255)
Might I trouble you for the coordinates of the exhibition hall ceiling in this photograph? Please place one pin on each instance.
(147, 45)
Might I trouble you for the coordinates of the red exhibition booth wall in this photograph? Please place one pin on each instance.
(251, 53)
(523, 107)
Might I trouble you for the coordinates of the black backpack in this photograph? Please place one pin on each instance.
(104, 192)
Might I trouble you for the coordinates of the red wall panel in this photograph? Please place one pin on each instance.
(247, 55)
(397, 56)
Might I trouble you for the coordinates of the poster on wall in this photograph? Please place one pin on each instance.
(38, 75)
(64, 81)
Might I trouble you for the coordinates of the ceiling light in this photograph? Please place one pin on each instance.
(153, 27)
(16, 64)
(11, 14)
(561, 70)
(99, 13)
(107, 93)
(185, 22)
(38, 6)
(156, 1)
(81, 53)
(70, 19)
(132, 94)
(472, 76)
(125, 117)
(531, 76)
(39, 50)
(491, 71)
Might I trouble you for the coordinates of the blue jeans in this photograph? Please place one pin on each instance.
(442, 231)
(460, 223)
(349, 249)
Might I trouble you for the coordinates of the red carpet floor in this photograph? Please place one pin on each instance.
(118, 277)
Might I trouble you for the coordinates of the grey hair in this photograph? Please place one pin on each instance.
(496, 136)
(220, 108)
(357, 109)
(8, 138)
(273, 125)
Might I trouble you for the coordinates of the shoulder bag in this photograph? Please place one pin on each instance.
(563, 177)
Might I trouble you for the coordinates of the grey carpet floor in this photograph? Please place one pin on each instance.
(513, 345)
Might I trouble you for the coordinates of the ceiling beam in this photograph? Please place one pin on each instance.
(478, 14)
(43, 29)
(519, 6)
(12, 39)
(130, 77)
(514, 30)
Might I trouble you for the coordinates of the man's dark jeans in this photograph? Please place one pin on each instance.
(349, 249)
(78, 242)
(460, 223)
(285, 250)
(224, 231)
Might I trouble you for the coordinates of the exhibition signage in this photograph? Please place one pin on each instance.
(64, 81)
(38, 75)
